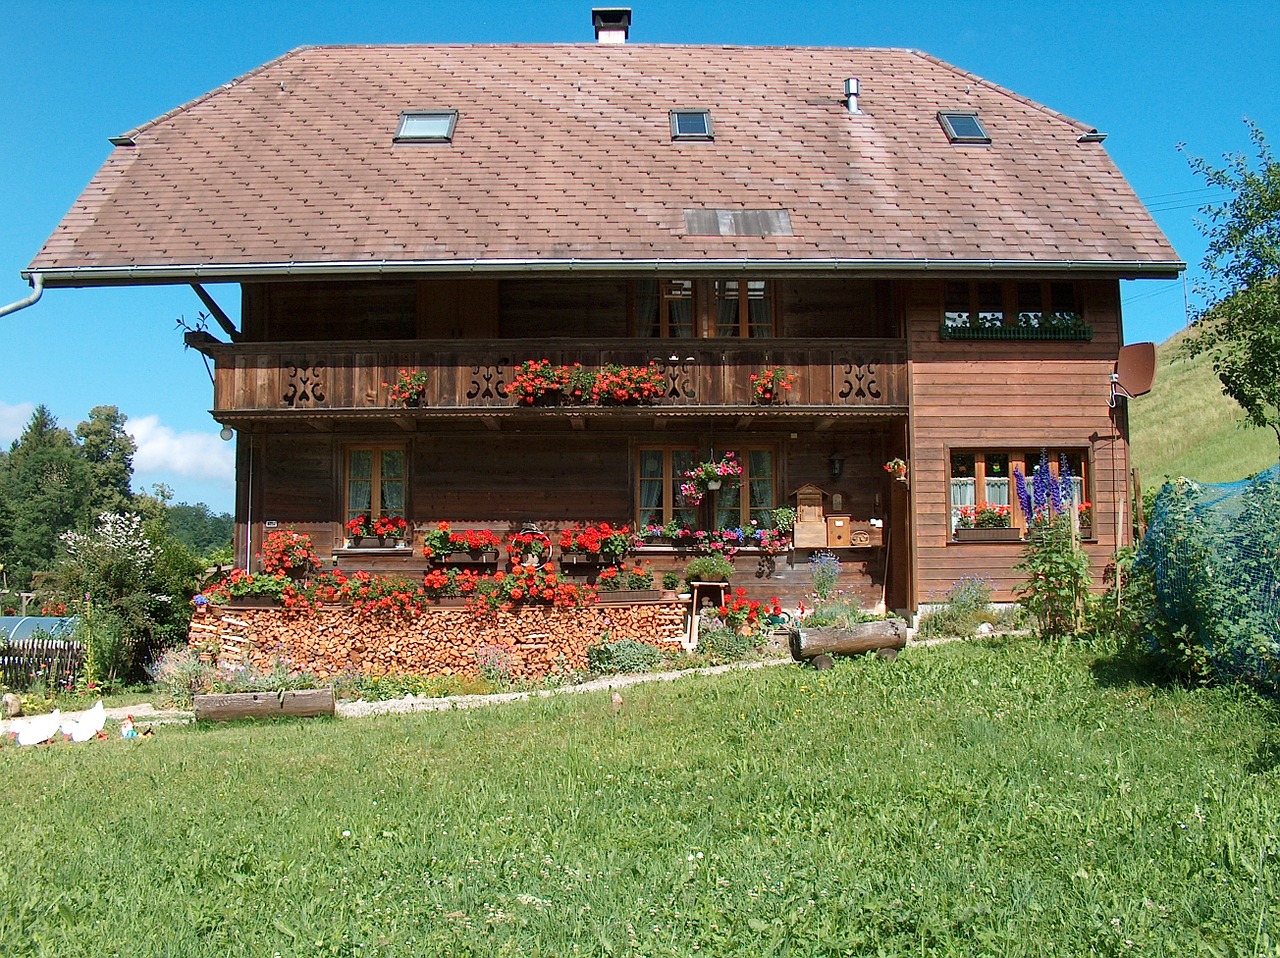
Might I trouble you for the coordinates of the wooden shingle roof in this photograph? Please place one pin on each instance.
(563, 157)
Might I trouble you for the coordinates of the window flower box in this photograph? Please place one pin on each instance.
(486, 556)
(1006, 534)
(584, 559)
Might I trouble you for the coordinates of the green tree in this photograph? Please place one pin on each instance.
(108, 450)
(1240, 330)
(45, 489)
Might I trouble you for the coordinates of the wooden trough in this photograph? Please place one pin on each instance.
(305, 703)
(887, 634)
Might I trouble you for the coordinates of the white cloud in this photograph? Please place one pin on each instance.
(196, 455)
(14, 419)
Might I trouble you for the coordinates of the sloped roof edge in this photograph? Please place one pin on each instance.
(238, 272)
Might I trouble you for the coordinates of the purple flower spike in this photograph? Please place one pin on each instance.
(1024, 497)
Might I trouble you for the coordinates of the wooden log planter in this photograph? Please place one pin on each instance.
(220, 707)
(887, 634)
(338, 639)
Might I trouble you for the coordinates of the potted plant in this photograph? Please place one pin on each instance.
(598, 542)
(770, 385)
(390, 529)
(709, 476)
(289, 552)
(985, 522)
(537, 383)
(409, 389)
(628, 385)
(670, 583)
(897, 468)
(360, 532)
(446, 544)
(620, 584)
(528, 547)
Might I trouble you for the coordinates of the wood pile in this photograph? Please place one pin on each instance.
(337, 639)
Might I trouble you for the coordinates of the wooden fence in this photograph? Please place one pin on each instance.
(56, 661)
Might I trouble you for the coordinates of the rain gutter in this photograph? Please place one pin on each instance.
(239, 272)
(37, 290)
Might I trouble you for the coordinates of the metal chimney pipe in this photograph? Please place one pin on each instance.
(851, 94)
(612, 24)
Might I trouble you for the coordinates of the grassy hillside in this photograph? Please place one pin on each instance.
(1186, 427)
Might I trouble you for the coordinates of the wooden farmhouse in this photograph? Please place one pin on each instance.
(934, 259)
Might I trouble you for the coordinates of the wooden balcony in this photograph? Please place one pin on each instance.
(271, 381)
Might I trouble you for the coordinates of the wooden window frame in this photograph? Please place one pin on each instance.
(669, 477)
(704, 307)
(743, 455)
(1011, 324)
(1018, 459)
(375, 481)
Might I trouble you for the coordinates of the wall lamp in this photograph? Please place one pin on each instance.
(226, 434)
(836, 461)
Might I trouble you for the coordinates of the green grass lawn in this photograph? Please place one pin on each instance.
(973, 799)
(1186, 427)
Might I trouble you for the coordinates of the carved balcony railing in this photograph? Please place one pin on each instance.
(844, 374)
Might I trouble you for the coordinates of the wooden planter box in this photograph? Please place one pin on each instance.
(988, 535)
(467, 558)
(622, 596)
(250, 602)
(582, 558)
(220, 707)
(375, 542)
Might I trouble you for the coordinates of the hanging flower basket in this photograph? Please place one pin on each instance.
(710, 476)
(897, 469)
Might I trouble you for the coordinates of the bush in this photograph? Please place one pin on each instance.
(839, 613)
(710, 568)
(1057, 579)
(625, 655)
(496, 664)
(721, 644)
(178, 675)
(824, 573)
(967, 605)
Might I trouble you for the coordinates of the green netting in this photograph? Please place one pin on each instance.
(1214, 555)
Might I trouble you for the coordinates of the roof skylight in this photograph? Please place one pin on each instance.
(963, 127)
(426, 126)
(691, 125)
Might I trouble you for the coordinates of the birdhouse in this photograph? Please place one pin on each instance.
(811, 527)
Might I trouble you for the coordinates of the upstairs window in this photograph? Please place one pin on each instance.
(701, 309)
(426, 126)
(691, 125)
(1040, 309)
(963, 127)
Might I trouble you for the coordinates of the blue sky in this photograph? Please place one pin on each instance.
(74, 73)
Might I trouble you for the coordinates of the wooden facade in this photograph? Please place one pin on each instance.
(875, 380)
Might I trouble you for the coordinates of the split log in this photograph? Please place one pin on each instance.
(854, 640)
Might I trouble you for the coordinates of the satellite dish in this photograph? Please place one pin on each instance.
(1135, 371)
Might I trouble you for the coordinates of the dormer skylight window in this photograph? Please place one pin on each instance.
(963, 128)
(691, 125)
(426, 126)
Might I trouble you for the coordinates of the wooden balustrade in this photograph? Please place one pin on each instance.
(343, 376)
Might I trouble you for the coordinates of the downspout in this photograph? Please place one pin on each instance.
(37, 287)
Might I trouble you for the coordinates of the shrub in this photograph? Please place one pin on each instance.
(1057, 579)
(824, 573)
(671, 581)
(625, 655)
(178, 675)
(708, 568)
(967, 605)
(496, 664)
(722, 644)
(839, 613)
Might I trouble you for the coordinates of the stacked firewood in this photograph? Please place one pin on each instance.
(336, 639)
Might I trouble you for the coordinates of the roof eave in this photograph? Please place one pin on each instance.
(73, 276)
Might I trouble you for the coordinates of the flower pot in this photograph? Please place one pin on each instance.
(366, 542)
(455, 558)
(988, 535)
(582, 558)
(713, 484)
